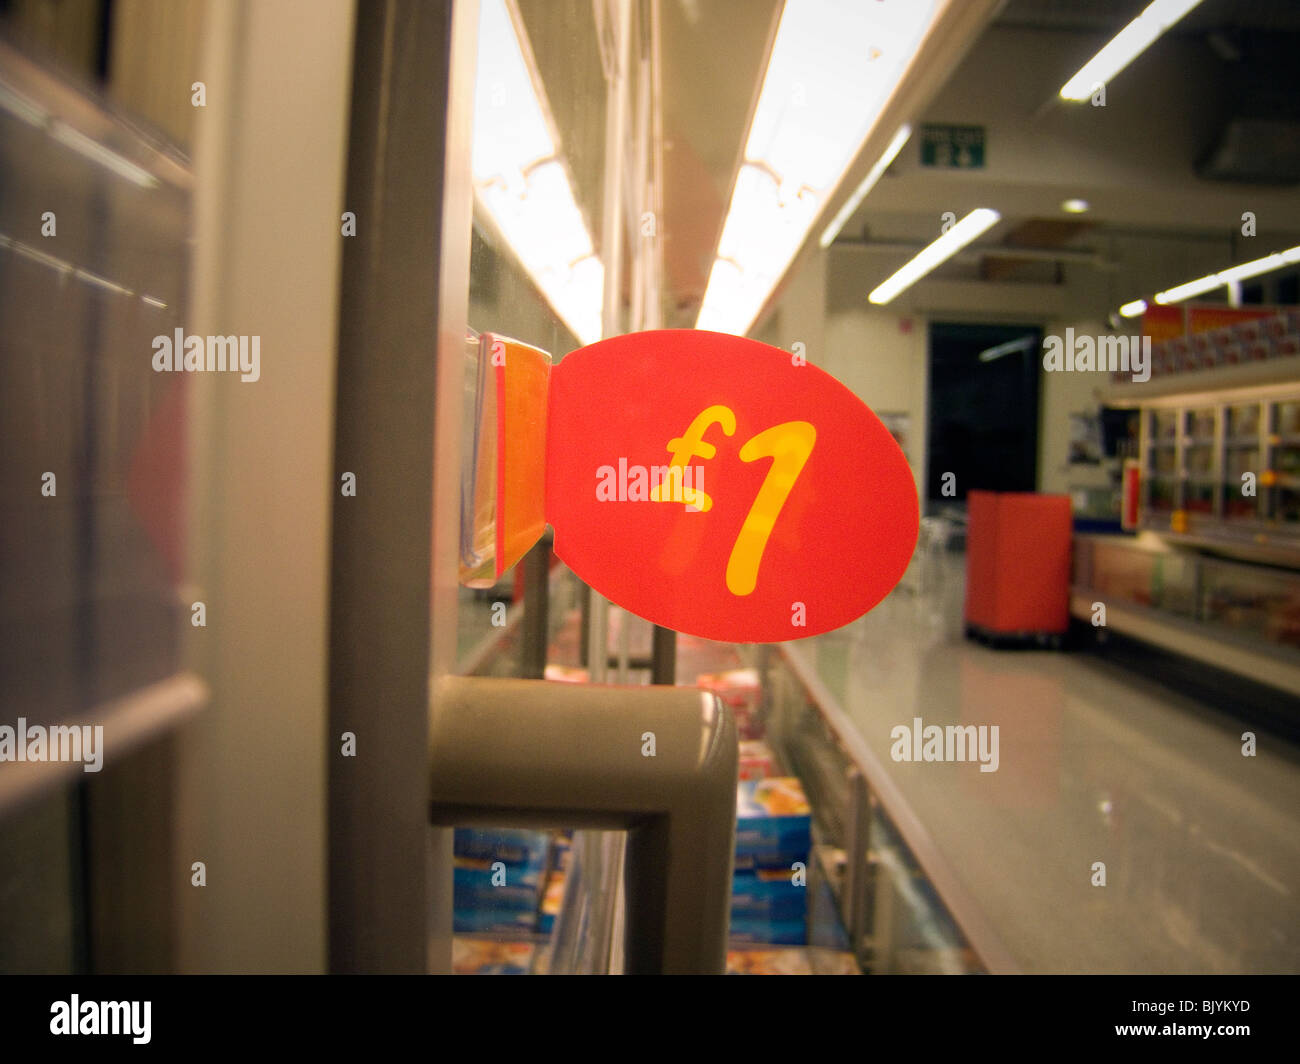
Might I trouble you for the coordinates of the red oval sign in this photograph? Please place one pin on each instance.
(724, 488)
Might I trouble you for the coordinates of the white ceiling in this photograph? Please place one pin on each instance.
(1153, 221)
(1133, 160)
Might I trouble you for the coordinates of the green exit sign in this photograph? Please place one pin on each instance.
(953, 147)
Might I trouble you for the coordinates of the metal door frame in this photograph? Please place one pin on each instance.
(403, 317)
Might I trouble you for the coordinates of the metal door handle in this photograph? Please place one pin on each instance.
(532, 753)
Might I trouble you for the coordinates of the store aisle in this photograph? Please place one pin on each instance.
(1201, 845)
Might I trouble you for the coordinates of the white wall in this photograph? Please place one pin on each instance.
(1060, 395)
(870, 351)
(883, 358)
(882, 354)
(799, 313)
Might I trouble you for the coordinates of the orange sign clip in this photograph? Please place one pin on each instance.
(711, 484)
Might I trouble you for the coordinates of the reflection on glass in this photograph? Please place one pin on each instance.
(522, 184)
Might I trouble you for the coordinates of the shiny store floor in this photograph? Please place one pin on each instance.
(1096, 766)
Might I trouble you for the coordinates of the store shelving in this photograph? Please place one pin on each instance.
(873, 902)
(1238, 617)
(1224, 471)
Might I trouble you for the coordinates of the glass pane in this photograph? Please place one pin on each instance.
(1173, 584)
(94, 260)
(1123, 575)
(535, 268)
(1259, 604)
(1243, 424)
(41, 898)
(1164, 425)
(1241, 495)
(91, 428)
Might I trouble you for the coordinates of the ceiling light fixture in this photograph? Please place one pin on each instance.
(1124, 47)
(1133, 309)
(832, 69)
(1074, 206)
(21, 107)
(956, 238)
(523, 185)
(868, 183)
(1208, 283)
(1024, 343)
(105, 157)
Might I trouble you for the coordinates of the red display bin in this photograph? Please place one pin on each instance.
(1018, 567)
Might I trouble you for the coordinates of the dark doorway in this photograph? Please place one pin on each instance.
(983, 409)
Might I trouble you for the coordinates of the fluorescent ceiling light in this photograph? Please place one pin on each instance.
(1125, 46)
(1132, 310)
(1074, 206)
(33, 114)
(868, 183)
(96, 152)
(989, 354)
(522, 184)
(21, 107)
(956, 238)
(1225, 277)
(55, 263)
(66, 269)
(833, 67)
(100, 282)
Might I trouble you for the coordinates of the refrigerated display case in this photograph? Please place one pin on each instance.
(880, 870)
(870, 903)
(1241, 617)
(99, 454)
(1255, 603)
(597, 94)
(1224, 471)
(1283, 493)
(1214, 573)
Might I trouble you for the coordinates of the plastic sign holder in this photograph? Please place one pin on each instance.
(503, 472)
(709, 483)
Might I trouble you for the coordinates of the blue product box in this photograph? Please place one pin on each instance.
(477, 874)
(507, 900)
(511, 845)
(773, 823)
(768, 895)
(475, 895)
(756, 929)
(487, 921)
